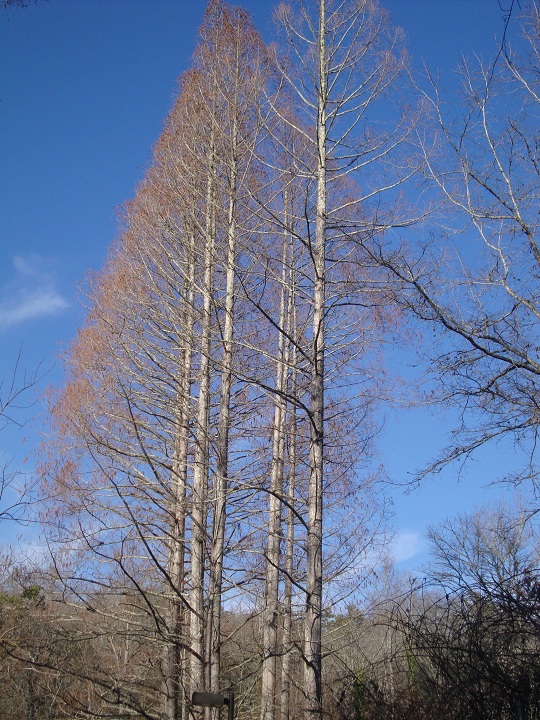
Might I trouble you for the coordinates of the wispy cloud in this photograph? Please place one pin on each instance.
(406, 545)
(31, 293)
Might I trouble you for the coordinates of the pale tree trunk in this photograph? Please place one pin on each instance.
(173, 659)
(271, 609)
(313, 616)
(286, 641)
(220, 500)
(200, 467)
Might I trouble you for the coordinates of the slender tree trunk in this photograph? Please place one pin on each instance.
(313, 616)
(220, 507)
(271, 609)
(287, 593)
(289, 549)
(178, 500)
(200, 468)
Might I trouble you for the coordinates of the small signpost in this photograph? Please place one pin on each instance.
(205, 699)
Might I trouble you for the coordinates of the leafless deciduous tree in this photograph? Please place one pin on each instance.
(15, 398)
(476, 279)
(471, 633)
(342, 59)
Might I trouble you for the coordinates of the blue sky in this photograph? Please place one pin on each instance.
(85, 87)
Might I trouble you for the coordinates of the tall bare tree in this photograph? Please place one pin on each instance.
(344, 57)
(475, 277)
(147, 405)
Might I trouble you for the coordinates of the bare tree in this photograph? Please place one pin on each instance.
(475, 279)
(15, 397)
(471, 632)
(343, 58)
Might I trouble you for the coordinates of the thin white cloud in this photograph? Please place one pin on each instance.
(31, 294)
(25, 266)
(406, 545)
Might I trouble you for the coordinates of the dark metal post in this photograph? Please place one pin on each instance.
(205, 699)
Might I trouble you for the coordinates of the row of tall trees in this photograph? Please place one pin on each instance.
(210, 499)
(233, 328)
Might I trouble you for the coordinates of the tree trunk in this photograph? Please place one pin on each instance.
(200, 469)
(313, 617)
(220, 506)
(271, 609)
(286, 641)
(178, 499)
